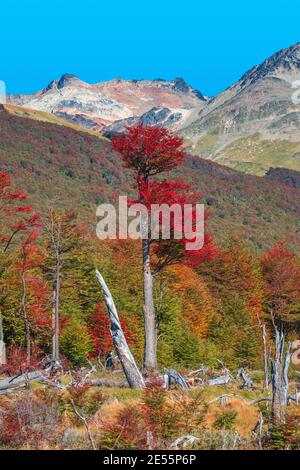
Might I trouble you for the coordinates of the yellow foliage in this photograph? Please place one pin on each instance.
(197, 304)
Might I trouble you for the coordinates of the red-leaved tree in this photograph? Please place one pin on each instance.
(281, 272)
(148, 152)
(15, 216)
(100, 333)
(17, 221)
(29, 258)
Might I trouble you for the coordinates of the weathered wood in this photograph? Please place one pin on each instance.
(131, 371)
(202, 371)
(20, 381)
(174, 376)
(225, 397)
(150, 354)
(266, 359)
(246, 379)
(2, 344)
(184, 442)
(279, 376)
(222, 380)
(84, 420)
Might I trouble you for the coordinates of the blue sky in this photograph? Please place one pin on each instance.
(210, 44)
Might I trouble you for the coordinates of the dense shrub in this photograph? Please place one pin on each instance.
(76, 343)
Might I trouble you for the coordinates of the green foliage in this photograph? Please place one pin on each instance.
(287, 435)
(235, 334)
(86, 172)
(225, 420)
(76, 343)
(177, 346)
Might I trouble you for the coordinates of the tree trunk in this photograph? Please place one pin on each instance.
(2, 344)
(150, 355)
(247, 381)
(279, 377)
(26, 321)
(20, 381)
(131, 371)
(266, 364)
(55, 317)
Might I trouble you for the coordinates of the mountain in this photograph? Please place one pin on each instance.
(80, 169)
(43, 116)
(254, 124)
(99, 105)
(251, 126)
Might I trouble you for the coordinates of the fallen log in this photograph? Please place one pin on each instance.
(201, 371)
(20, 381)
(222, 380)
(223, 398)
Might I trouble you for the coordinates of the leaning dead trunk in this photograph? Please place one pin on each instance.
(131, 371)
(150, 360)
(279, 377)
(2, 344)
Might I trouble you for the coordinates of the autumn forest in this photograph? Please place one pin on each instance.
(141, 344)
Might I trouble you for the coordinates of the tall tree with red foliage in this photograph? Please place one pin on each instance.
(281, 272)
(100, 334)
(29, 259)
(148, 152)
(15, 216)
(62, 239)
(18, 222)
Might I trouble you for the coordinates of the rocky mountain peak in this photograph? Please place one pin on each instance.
(65, 79)
(181, 85)
(285, 61)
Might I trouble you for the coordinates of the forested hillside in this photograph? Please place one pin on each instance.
(217, 318)
(81, 170)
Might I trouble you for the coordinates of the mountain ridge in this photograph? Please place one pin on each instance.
(80, 170)
(252, 125)
(100, 104)
(259, 104)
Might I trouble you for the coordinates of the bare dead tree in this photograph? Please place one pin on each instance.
(24, 315)
(245, 378)
(266, 355)
(258, 431)
(85, 422)
(55, 231)
(62, 240)
(266, 358)
(279, 376)
(131, 371)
